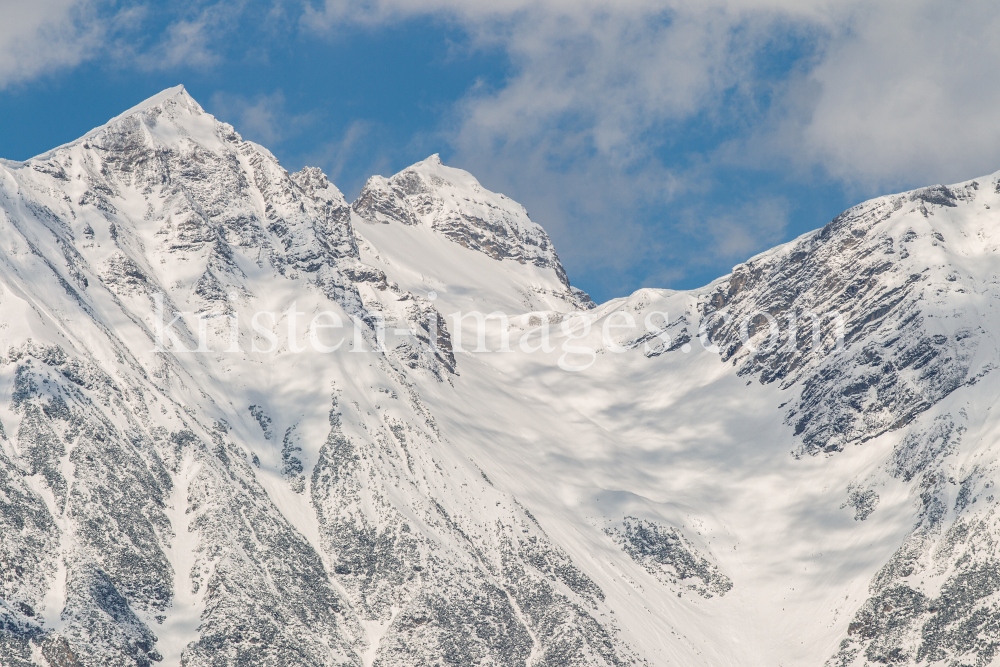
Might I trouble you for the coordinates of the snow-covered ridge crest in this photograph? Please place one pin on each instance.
(909, 263)
(166, 179)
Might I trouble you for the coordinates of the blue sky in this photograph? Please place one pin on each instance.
(659, 143)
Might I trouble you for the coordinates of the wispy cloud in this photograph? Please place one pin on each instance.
(907, 92)
(738, 231)
(196, 34)
(334, 156)
(44, 36)
(589, 127)
(184, 42)
(39, 37)
(264, 118)
(615, 118)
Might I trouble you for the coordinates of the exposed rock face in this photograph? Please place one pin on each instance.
(886, 359)
(904, 623)
(447, 588)
(669, 556)
(454, 204)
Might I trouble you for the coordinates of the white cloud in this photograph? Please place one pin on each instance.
(40, 36)
(263, 118)
(883, 95)
(908, 93)
(43, 36)
(196, 34)
(184, 42)
(735, 234)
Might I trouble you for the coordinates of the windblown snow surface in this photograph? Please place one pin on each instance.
(680, 491)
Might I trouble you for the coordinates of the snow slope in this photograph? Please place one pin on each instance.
(672, 492)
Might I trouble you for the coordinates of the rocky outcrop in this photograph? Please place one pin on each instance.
(455, 205)
(854, 309)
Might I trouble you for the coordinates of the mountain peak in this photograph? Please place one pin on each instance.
(452, 203)
(177, 94)
(175, 103)
(439, 224)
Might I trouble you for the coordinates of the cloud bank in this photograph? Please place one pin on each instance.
(590, 127)
(620, 124)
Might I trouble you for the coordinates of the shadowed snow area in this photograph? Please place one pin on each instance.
(329, 458)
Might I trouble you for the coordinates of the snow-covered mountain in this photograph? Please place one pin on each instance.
(337, 454)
